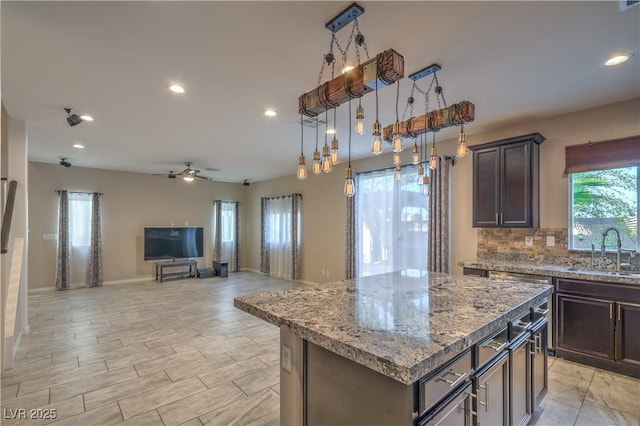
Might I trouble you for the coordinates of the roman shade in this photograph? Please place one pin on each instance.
(614, 153)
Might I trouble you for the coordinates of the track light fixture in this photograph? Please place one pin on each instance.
(72, 118)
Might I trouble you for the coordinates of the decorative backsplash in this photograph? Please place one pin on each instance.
(508, 244)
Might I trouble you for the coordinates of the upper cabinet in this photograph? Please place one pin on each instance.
(506, 182)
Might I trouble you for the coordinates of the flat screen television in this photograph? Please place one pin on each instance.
(173, 243)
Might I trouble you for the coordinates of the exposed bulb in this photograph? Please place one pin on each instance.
(326, 159)
(433, 161)
(425, 185)
(420, 174)
(396, 159)
(376, 143)
(415, 157)
(317, 165)
(349, 185)
(398, 143)
(335, 158)
(302, 168)
(188, 178)
(398, 172)
(462, 149)
(360, 120)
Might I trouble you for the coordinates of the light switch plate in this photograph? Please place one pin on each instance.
(286, 358)
(551, 241)
(528, 241)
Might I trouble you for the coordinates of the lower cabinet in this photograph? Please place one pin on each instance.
(539, 362)
(455, 410)
(492, 393)
(520, 365)
(627, 328)
(585, 325)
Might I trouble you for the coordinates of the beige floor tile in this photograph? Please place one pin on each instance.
(192, 422)
(573, 369)
(120, 334)
(150, 418)
(609, 391)
(37, 369)
(51, 380)
(167, 362)
(126, 389)
(138, 404)
(9, 391)
(270, 419)
(105, 415)
(32, 400)
(555, 413)
(148, 336)
(139, 357)
(597, 415)
(232, 372)
(193, 406)
(259, 380)
(91, 383)
(57, 411)
(112, 354)
(567, 389)
(202, 366)
(245, 410)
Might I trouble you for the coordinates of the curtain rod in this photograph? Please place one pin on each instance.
(78, 192)
(444, 157)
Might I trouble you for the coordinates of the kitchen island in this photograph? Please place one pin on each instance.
(399, 349)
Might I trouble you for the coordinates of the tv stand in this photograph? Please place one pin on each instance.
(161, 267)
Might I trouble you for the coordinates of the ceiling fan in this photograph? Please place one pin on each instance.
(188, 174)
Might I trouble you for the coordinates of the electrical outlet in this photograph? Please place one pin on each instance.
(286, 358)
(528, 241)
(551, 241)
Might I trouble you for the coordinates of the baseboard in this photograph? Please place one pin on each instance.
(309, 283)
(112, 282)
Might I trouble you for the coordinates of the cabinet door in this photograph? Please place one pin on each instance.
(585, 325)
(539, 364)
(627, 340)
(454, 411)
(520, 383)
(515, 185)
(486, 188)
(492, 393)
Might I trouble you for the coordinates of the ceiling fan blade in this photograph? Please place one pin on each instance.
(203, 177)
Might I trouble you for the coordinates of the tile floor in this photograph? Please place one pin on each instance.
(180, 353)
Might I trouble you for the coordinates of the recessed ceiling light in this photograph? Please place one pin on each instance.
(86, 117)
(617, 59)
(270, 113)
(176, 88)
(331, 131)
(78, 145)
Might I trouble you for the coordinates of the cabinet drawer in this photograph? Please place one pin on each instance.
(491, 347)
(434, 388)
(520, 326)
(601, 290)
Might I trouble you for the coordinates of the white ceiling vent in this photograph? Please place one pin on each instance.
(311, 122)
(627, 4)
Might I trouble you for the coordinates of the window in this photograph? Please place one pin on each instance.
(228, 219)
(391, 223)
(80, 219)
(225, 233)
(601, 199)
(281, 228)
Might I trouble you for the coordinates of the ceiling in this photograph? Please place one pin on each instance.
(516, 61)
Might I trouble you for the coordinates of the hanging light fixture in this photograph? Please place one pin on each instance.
(433, 161)
(415, 157)
(317, 165)
(302, 166)
(349, 184)
(425, 185)
(376, 143)
(326, 156)
(396, 158)
(398, 171)
(420, 166)
(398, 143)
(335, 159)
(360, 118)
(462, 149)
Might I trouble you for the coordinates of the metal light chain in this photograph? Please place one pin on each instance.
(439, 91)
(409, 104)
(328, 58)
(360, 41)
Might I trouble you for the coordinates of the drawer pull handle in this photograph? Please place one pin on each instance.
(541, 311)
(496, 346)
(486, 397)
(523, 324)
(452, 383)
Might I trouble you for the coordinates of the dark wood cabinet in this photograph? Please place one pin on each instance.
(476, 272)
(492, 393)
(597, 324)
(506, 182)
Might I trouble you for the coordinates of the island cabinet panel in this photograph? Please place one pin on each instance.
(597, 324)
(520, 384)
(455, 410)
(492, 393)
(539, 362)
(506, 183)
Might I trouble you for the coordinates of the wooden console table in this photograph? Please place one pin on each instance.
(161, 274)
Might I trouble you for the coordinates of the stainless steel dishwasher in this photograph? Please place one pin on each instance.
(530, 278)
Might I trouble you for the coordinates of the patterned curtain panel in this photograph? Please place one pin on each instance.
(350, 246)
(63, 273)
(95, 252)
(296, 201)
(217, 230)
(439, 217)
(264, 251)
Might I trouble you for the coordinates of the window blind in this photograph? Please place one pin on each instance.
(614, 153)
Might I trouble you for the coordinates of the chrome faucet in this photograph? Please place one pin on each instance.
(603, 248)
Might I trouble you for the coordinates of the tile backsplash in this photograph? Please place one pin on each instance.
(508, 244)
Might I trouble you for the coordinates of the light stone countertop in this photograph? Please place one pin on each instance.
(403, 327)
(554, 271)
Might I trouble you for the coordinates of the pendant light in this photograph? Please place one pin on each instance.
(317, 165)
(349, 185)
(335, 159)
(415, 157)
(396, 158)
(420, 166)
(433, 161)
(397, 142)
(425, 186)
(302, 166)
(462, 149)
(326, 152)
(376, 143)
(398, 171)
(360, 118)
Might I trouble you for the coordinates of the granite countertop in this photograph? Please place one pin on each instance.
(403, 327)
(555, 271)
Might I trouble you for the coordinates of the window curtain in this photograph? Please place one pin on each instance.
(226, 233)
(391, 223)
(350, 246)
(439, 217)
(80, 213)
(63, 273)
(280, 242)
(95, 250)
